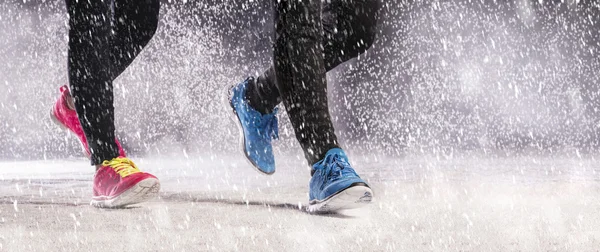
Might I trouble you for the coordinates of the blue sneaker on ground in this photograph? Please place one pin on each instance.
(336, 186)
(256, 130)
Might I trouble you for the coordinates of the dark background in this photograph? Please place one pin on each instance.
(443, 76)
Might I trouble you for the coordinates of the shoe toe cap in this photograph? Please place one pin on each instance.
(341, 185)
(262, 158)
(263, 163)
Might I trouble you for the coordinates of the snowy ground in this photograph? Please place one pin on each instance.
(219, 203)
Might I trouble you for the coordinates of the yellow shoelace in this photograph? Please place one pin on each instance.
(122, 165)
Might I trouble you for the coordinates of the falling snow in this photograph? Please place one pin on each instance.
(477, 122)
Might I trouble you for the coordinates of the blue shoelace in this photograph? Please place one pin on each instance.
(334, 168)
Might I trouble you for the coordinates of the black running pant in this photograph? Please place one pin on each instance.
(105, 36)
(312, 39)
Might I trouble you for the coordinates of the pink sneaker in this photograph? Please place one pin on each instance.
(67, 119)
(119, 182)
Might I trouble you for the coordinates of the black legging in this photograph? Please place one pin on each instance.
(105, 36)
(342, 30)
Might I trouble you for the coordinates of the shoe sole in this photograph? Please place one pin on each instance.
(141, 192)
(63, 127)
(353, 197)
(236, 120)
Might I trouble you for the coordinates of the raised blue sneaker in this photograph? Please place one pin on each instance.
(256, 130)
(336, 186)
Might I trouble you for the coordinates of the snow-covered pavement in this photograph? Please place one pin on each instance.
(219, 203)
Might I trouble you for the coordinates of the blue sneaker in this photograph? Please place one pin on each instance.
(336, 186)
(256, 130)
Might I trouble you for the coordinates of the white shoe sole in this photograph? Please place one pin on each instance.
(350, 198)
(234, 118)
(142, 191)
